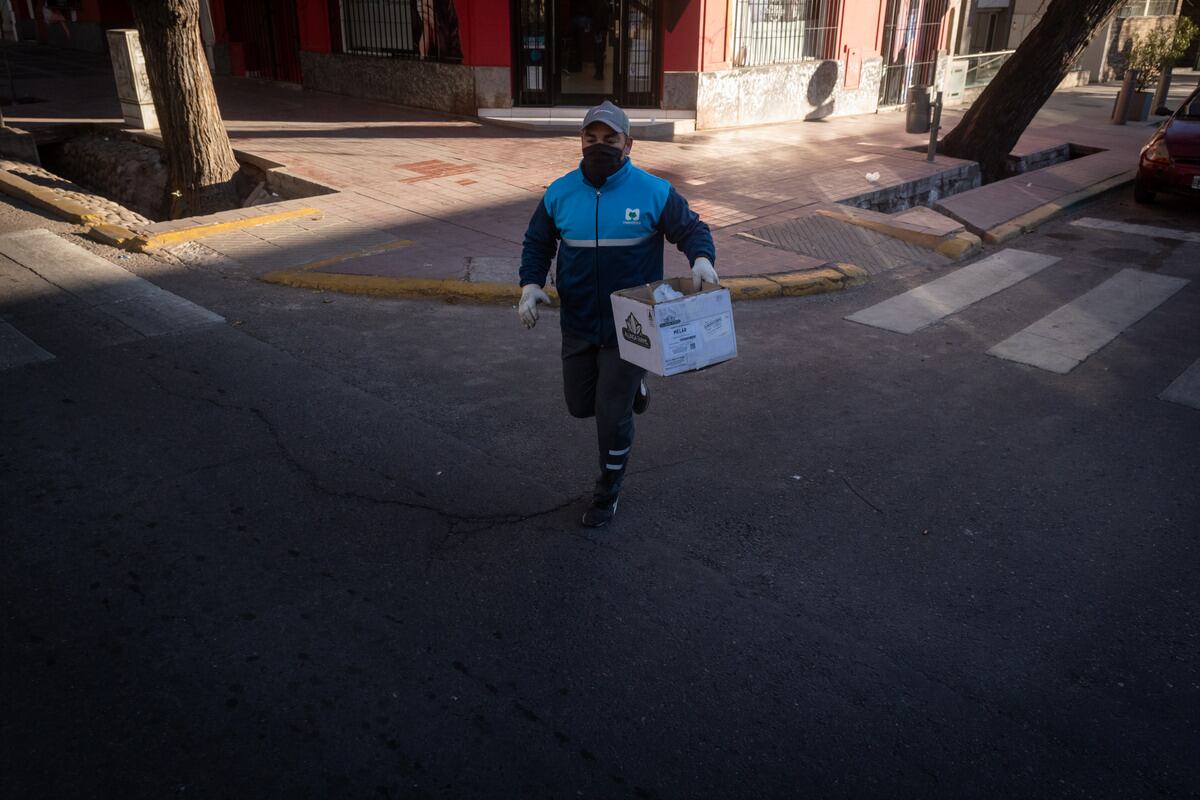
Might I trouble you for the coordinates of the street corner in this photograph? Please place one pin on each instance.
(920, 226)
(1023, 217)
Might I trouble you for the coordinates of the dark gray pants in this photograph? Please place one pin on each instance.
(597, 383)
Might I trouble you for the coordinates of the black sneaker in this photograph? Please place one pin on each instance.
(641, 400)
(600, 513)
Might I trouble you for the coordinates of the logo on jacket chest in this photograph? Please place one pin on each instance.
(633, 216)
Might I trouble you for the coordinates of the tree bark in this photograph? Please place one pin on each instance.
(992, 125)
(200, 160)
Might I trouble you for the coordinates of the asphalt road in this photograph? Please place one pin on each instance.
(330, 549)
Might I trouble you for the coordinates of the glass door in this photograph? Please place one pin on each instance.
(580, 52)
(532, 65)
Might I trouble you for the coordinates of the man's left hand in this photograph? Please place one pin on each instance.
(703, 271)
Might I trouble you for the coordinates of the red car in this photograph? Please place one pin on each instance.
(1170, 162)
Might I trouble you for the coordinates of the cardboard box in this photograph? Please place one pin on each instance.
(687, 333)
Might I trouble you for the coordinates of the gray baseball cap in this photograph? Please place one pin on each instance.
(610, 115)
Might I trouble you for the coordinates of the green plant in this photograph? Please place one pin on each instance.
(1164, 45)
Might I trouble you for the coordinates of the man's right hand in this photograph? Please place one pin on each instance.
(531, 295)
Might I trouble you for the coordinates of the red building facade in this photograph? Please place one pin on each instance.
(718, 62)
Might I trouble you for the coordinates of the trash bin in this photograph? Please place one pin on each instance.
(917, 118)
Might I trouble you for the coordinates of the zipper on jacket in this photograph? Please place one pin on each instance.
(596, 262)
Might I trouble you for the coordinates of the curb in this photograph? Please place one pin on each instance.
(1032, 219)
(47, 200)
(958, 245)
(831, 278)
(148, 241)
(117, 236)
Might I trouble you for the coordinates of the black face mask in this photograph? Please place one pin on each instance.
(600, 161)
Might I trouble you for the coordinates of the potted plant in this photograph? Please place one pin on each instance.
(1150, 54)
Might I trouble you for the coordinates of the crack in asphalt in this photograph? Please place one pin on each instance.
(485, 521)
(860, 495)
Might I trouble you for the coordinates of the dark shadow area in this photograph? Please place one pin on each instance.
(821, 87)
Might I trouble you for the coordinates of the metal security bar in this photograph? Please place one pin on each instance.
(911, 30)
(982, 67)
(421, 30)
(532, 24)
(784, 31)
(639, 52)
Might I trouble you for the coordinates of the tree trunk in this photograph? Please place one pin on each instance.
(200, 160)
(992, 125)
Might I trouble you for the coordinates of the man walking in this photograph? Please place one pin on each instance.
(606, 221)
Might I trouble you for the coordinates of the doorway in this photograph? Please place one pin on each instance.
(911, 32)
(269, 32)
(581, 52)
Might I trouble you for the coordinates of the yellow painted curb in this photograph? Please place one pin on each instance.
(814, 281)
(412, 288)
(752, 288)
(1002, 233)
(112, 235)
(793, 284)
(44, 198)
(152, 240)
(958, 245)
(1032, 219)
(855, 274)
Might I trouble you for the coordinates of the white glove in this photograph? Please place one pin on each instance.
(703, 270)
(531, 295)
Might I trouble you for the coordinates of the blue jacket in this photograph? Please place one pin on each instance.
(607, 239)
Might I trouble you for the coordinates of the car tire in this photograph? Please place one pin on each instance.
(1142, 195)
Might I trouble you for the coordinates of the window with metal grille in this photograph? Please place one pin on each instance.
(422, 30)
(784, 31)
(911, 34)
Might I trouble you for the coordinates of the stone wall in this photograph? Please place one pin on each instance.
(808, 90)
(132, 174)
(452, 88)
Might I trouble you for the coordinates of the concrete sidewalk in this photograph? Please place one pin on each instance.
(428, 198)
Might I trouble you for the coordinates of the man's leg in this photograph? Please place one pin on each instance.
(616, 385)
(579, 376)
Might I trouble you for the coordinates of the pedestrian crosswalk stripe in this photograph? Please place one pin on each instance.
(1061, 340)
(17, 349)
(1138, 230)
(101, 285)
(951, 293)
(1185, 389)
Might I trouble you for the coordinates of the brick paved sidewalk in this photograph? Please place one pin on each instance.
(461, 192)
